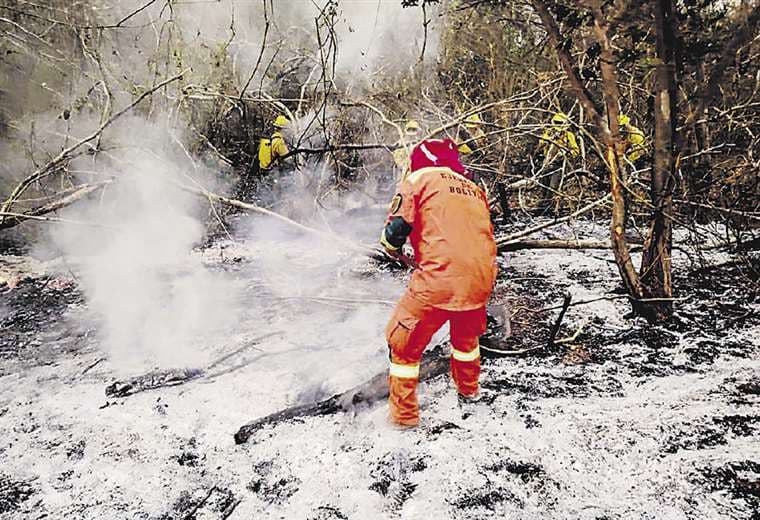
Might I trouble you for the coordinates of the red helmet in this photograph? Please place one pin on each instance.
(437, 152)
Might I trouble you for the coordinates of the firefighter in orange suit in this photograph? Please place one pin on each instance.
(446, 218)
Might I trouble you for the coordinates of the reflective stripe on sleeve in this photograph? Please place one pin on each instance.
(405, 371)
(466, 356)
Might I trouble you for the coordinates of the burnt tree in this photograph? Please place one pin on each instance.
(608, 132)
(656, 268)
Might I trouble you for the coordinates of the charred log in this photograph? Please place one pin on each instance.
(433, 364)
(153, 380)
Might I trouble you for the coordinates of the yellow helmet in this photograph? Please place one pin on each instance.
(560, 119)
(473, 121)
(623, 119)
(464, 149)
(412, 127)
(281, 121)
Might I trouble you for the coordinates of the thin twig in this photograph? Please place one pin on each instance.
(558, 323)
(514, 236)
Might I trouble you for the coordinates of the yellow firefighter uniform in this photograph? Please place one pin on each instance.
(635, 141)
(401, 154)
(560, 138)
(476, 134)
(274, 148)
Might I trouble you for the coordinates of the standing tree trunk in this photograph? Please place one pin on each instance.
(655, 271)
(651, 289)
(615, 149)
(607, 128)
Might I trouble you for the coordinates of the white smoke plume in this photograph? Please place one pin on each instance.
(217, 44)
(372, 37)
(155, 301)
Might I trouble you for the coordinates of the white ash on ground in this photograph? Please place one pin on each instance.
(650, 423)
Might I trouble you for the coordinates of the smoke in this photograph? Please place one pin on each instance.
(332, 303)
(371, 34)
(382, 37)
(61, 84)
(159, 302)
(155, 301)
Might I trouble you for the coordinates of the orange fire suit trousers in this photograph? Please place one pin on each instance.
(409, 332)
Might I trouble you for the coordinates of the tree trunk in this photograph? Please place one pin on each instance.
(615, 147)
(655, 271)
(697, 184)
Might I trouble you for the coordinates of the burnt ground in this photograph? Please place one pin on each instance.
(31, 315)
(710, 327)
(721, 304)
(13, 493)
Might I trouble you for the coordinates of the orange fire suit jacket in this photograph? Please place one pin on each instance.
(452, 237)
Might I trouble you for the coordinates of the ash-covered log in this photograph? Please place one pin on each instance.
(434, 363)
(153, 380)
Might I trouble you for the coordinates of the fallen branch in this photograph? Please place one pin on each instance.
(10, 219)
(433, 364)
(194, 510)
(92, 365)
(514, 236)
(231, 509)
(517, 245)
(213, 197)
(153, 380)
(178, 376)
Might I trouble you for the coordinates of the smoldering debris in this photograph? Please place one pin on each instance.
(433, 364)
(152, 381)
(179, 376)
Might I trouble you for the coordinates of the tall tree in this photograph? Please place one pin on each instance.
(655, 272)
(608, 130)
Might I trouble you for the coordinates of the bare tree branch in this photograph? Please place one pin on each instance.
(62, 157)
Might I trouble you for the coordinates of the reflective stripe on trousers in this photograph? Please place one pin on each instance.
(404, 371)
(408, 333)
(466, 356)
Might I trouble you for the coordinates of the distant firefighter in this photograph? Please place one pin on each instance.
(634, 138)
(476, 135)
(272, 149)
(560, 143)
(401, 154)
(559, 138)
